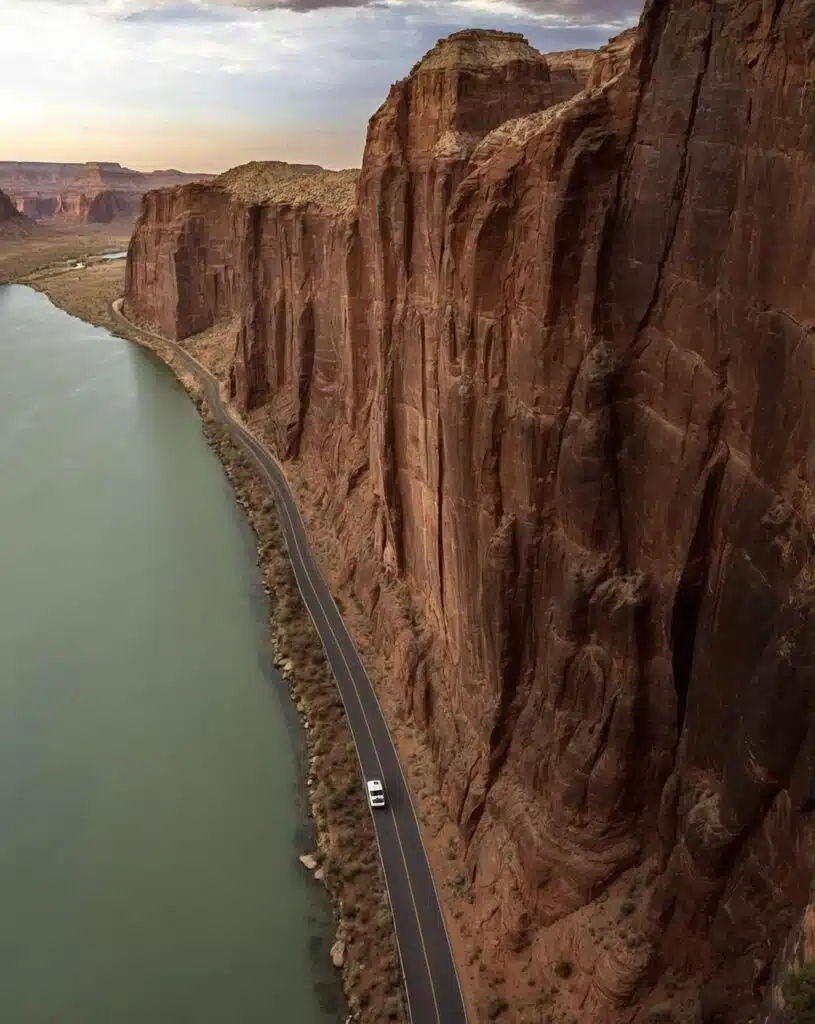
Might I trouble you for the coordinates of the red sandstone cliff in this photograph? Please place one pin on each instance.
(553, 369)
(35, 207)
(96, 207)
(13, 224)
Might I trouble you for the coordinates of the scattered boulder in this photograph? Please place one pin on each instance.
(338, 954)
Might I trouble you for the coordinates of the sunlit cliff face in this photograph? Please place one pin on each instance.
(294, 80)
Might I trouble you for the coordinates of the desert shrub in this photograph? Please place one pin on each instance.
(799, 994)
(393, 1008)
(351, 870)
(496, 1005)
(335, 801)
(563, 969)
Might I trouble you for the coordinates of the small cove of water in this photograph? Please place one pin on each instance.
(150, 767)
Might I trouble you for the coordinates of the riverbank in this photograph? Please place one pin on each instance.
(23, 259)
(345, 860)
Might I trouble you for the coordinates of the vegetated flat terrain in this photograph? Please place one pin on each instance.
(22, 257)
(85, 293)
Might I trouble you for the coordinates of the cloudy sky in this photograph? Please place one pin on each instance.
(205, 84)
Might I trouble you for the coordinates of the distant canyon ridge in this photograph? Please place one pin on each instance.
(89, 193)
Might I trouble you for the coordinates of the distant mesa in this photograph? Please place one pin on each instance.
(97, 192)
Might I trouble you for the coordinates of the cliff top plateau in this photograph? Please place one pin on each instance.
(274, 181)
(475, 49)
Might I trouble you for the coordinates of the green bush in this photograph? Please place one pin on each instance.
(799, 994)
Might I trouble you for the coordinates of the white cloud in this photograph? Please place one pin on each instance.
(221, 66)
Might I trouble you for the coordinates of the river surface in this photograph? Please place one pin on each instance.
(151, 801)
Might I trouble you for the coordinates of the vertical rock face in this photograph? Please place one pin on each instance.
(35, 207)
(94, 208)
(13, 223)
(7, 209)
(555, 371)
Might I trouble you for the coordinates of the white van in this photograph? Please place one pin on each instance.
(376, 793)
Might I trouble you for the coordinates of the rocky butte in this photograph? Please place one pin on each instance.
(548, 365)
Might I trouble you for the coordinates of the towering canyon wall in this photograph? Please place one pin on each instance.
(553, 370)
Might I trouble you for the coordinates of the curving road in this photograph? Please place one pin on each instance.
(433, 989)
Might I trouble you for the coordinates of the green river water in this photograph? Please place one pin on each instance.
(151, 802)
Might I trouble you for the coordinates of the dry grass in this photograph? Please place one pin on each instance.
(84, 293)
(22, 257)
(291, 184)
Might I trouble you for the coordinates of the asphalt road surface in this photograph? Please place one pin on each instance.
(433, 989)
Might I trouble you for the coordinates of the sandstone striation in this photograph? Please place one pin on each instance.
(552, 371)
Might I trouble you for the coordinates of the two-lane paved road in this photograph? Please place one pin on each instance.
(433, 990)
